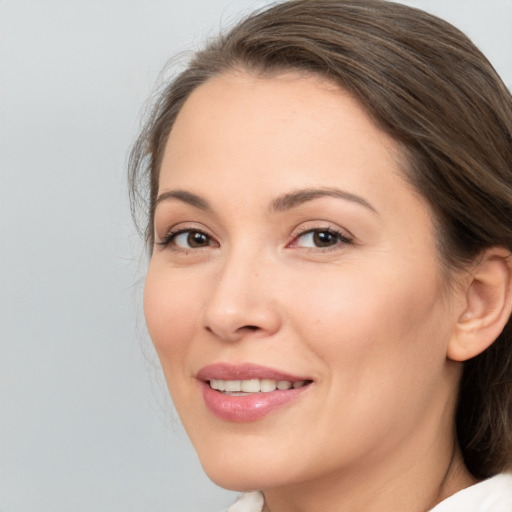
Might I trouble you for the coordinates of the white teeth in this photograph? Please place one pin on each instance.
(254, 385)
(251, 386)
(268, 385)
(217, 384)
(233, 385)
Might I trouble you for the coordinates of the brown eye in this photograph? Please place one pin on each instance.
(324, 238)
(196, 239)
(191, 239)
(321, 238)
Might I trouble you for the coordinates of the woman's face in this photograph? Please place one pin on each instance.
(290, 252)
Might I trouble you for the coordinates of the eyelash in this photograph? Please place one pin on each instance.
(173, 234)
(341, 238)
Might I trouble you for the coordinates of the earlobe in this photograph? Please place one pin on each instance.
(487, 306)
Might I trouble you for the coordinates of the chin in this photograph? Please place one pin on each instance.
(244, 470)
(233, 481)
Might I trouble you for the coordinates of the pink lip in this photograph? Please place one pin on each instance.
(250, 407)
(245, 371)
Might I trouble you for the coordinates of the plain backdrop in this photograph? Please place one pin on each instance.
(85, 422)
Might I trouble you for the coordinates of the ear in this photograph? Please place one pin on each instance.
(487, 305)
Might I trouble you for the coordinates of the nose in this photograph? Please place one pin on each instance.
(242, 301)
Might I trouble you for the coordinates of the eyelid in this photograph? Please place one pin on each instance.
(345, 237)
(178, 229)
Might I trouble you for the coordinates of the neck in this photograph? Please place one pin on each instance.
(364, 493)
(415, 477)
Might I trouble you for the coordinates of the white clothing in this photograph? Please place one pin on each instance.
(250, 502)
(492, 495)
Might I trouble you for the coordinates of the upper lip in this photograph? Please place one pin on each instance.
(244, 371)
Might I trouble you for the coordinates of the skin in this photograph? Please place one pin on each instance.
(369, 320)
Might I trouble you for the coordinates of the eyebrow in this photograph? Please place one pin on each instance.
(299, 197)
(280, 204)
(185, 197)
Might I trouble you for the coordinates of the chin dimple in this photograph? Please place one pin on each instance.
(254, 385)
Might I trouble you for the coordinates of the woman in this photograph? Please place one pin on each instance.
(329, 289)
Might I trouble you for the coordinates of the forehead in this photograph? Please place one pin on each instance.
(283, 122)
(250, 139)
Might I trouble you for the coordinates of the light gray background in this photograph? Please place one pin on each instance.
(85, 423)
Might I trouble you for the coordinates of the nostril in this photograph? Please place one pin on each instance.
(237, 332)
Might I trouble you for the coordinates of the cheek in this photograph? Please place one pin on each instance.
(381, 339)
(170, 309)
(355, 313)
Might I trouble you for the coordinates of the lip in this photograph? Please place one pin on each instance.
(251, 407)
(245, 371)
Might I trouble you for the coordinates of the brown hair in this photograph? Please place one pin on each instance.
(427, 85)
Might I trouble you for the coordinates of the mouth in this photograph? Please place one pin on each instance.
(251, 386)
(247, 392)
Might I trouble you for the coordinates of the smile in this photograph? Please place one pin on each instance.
(247, 392)
(244, 387)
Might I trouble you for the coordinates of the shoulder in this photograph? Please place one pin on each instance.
(492, 495)
(250, 502)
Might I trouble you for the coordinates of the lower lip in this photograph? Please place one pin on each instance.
(250, 407)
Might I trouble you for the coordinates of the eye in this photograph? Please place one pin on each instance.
(186, 239)
(320, 238)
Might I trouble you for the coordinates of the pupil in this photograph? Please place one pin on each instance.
(196, 239)
(324, 238)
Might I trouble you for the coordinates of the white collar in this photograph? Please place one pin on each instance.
(492, 495)
(249, 502)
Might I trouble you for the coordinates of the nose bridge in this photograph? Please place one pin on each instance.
(241, 298)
